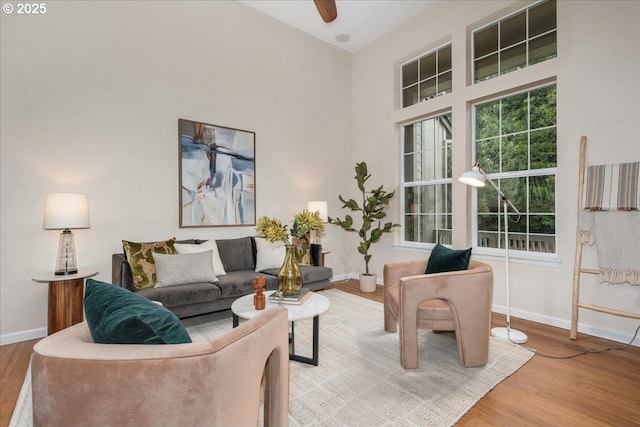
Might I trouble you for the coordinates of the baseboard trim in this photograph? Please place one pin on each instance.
(566, 324)
(15, 337)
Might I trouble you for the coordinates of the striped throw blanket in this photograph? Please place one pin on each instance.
(611, 217)
(612, 187)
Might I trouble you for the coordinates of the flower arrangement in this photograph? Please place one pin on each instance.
(304, 222)
(272, 229)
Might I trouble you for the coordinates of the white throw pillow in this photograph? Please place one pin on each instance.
(209, 245)
(269, 255)
(175, 269)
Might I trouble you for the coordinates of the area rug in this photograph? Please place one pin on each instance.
(359, 381)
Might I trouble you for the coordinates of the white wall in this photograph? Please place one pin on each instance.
(91, 95)
(598, 79)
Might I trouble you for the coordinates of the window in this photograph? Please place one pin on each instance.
(515, 141)
(427, 180)
(517, 41)
(426, 77)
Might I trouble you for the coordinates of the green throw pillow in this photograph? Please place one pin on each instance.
(118, 316)
(139, 255)
(444, 259)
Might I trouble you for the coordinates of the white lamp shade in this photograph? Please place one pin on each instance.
(66, 210)
(474, 177)
(320, 207)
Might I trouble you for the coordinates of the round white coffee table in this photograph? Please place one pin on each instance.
(243, 308)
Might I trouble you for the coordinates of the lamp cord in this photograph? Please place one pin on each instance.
(582, 350)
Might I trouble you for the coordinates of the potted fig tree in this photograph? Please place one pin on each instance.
(371, 212)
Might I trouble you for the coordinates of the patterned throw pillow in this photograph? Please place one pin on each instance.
(140, 259)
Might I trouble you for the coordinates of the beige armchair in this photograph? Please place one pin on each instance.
(77, 382)
(457, 301)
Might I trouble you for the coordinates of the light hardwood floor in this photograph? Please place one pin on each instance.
(591, 390)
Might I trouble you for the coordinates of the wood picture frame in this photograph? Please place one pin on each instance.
(216, 175)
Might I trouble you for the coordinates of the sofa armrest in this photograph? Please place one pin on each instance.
(121, 272)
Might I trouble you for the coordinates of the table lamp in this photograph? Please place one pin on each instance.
(476, 177)
(316, 243)
(66, 211)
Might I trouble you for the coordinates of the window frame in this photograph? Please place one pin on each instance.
(500, 49)
(527, 256)
(436, 76)
(435, 182)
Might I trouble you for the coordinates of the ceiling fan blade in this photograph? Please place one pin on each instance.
(327, 9)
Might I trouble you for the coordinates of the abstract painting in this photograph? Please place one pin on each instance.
(217, 175)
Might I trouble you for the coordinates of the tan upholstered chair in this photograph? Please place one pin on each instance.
(457, 301)
(77, 382)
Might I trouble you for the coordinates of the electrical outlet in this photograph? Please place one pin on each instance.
(336, 258)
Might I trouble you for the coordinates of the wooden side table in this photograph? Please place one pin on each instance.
(66, 295)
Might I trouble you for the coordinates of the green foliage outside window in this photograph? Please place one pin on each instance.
(516, 139)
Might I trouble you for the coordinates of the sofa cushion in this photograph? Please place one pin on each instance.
(174, 296)
(240, 283)
(269, 255)
(236, 254)
(443, 259)
(209, 245)
(118, 316)
(140, 259)
(176, 270)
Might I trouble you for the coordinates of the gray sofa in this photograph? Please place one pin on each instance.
(238, 257)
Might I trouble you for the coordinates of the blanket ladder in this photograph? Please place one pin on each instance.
(577, 265)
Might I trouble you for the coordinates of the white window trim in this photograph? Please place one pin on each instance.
(524, 257)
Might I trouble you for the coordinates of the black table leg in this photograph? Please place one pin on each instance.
(236, 320)
(316, 332)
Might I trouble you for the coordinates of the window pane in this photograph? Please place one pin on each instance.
(408, 139)
(488, 155)
(444, 59)
(411, 200)
(543, 107)
(485, 41)
(428, 89)
(513, 58)
(515, 153)
(542, 194)
(542, 18)
(410, 96)
(513, 30)
(409, 172)
(544, 149)
(515, 111)
(488, 120)
(428, 229)
(410, 74)
(444, 83)
(516, 190)
(486, 68)
(428, 66)
(488, 200)
(488, 222)
(543, 48)
(542, 224)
